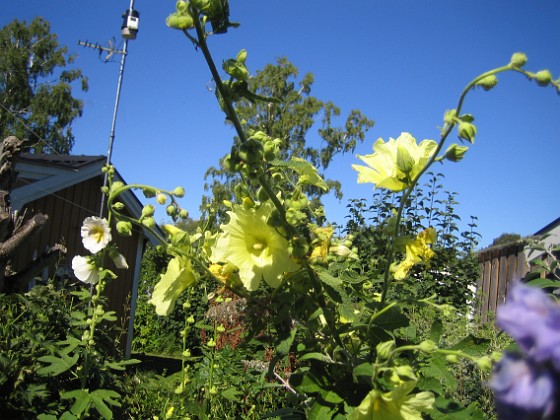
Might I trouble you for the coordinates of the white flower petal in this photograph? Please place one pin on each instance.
(85, 270)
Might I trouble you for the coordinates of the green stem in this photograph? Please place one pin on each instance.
(445, 133)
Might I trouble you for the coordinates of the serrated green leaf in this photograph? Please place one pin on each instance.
(326, 278)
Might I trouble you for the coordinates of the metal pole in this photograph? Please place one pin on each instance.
(114, 120)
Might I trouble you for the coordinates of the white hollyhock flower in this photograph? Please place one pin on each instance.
(96, 234)
(85, 270)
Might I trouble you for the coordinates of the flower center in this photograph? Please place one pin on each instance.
(258, 247)
(97, 233)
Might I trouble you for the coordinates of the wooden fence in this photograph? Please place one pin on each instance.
(499, 266)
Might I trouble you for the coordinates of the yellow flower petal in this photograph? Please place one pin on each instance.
(394, 164)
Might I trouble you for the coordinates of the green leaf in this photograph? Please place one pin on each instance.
(82, 401)
(307, 172)
(544, 283)
(364, 369)
(102, 397)
(284, 346)
(57, 365)
(110, 316)
(232, 394)
(326, 278)
(316, 356)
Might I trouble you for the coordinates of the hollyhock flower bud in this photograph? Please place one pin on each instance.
(488, 82)
(518, 59)
(124, 228)
(543, 77)
(455, 152)
(467, 131)
(161, 198)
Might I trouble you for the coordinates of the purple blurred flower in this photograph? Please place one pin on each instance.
(523, 389)
(533, 320)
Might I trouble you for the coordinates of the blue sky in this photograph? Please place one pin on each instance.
(402, 63)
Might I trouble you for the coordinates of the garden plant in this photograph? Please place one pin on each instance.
(301, 321)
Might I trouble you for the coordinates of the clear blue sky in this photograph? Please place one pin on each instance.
(402, 63)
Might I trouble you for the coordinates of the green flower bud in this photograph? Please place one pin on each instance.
(200, 4)
(148, 210)
(543, 77)
(180, 21)
(385, 349)
(118, 206)
(451, 358)
(221, 329)
(183, 214)
(298, 247)
(518, 59)
(179, 192)
(149, 192)
(484, 363)
(455, 152)
(187, 353)
(105, 189)
(182, 6)
(488, 82)
(124, 228)
(467, 131)
(427, 346)
(161, 198)
(251, 151)
(149, 222)
(270, 150)
(241, 56)
(236, 69)
(211, 343)
(449, 116)
(190, 320)
(171, 210)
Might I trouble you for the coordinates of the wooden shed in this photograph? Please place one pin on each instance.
(68, 189)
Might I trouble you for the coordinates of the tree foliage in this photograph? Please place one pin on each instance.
(36, 100)
(290, 115)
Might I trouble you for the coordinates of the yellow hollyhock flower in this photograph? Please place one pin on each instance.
(394, 164)
(417, 250)
(178, 277)
(254, 247)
